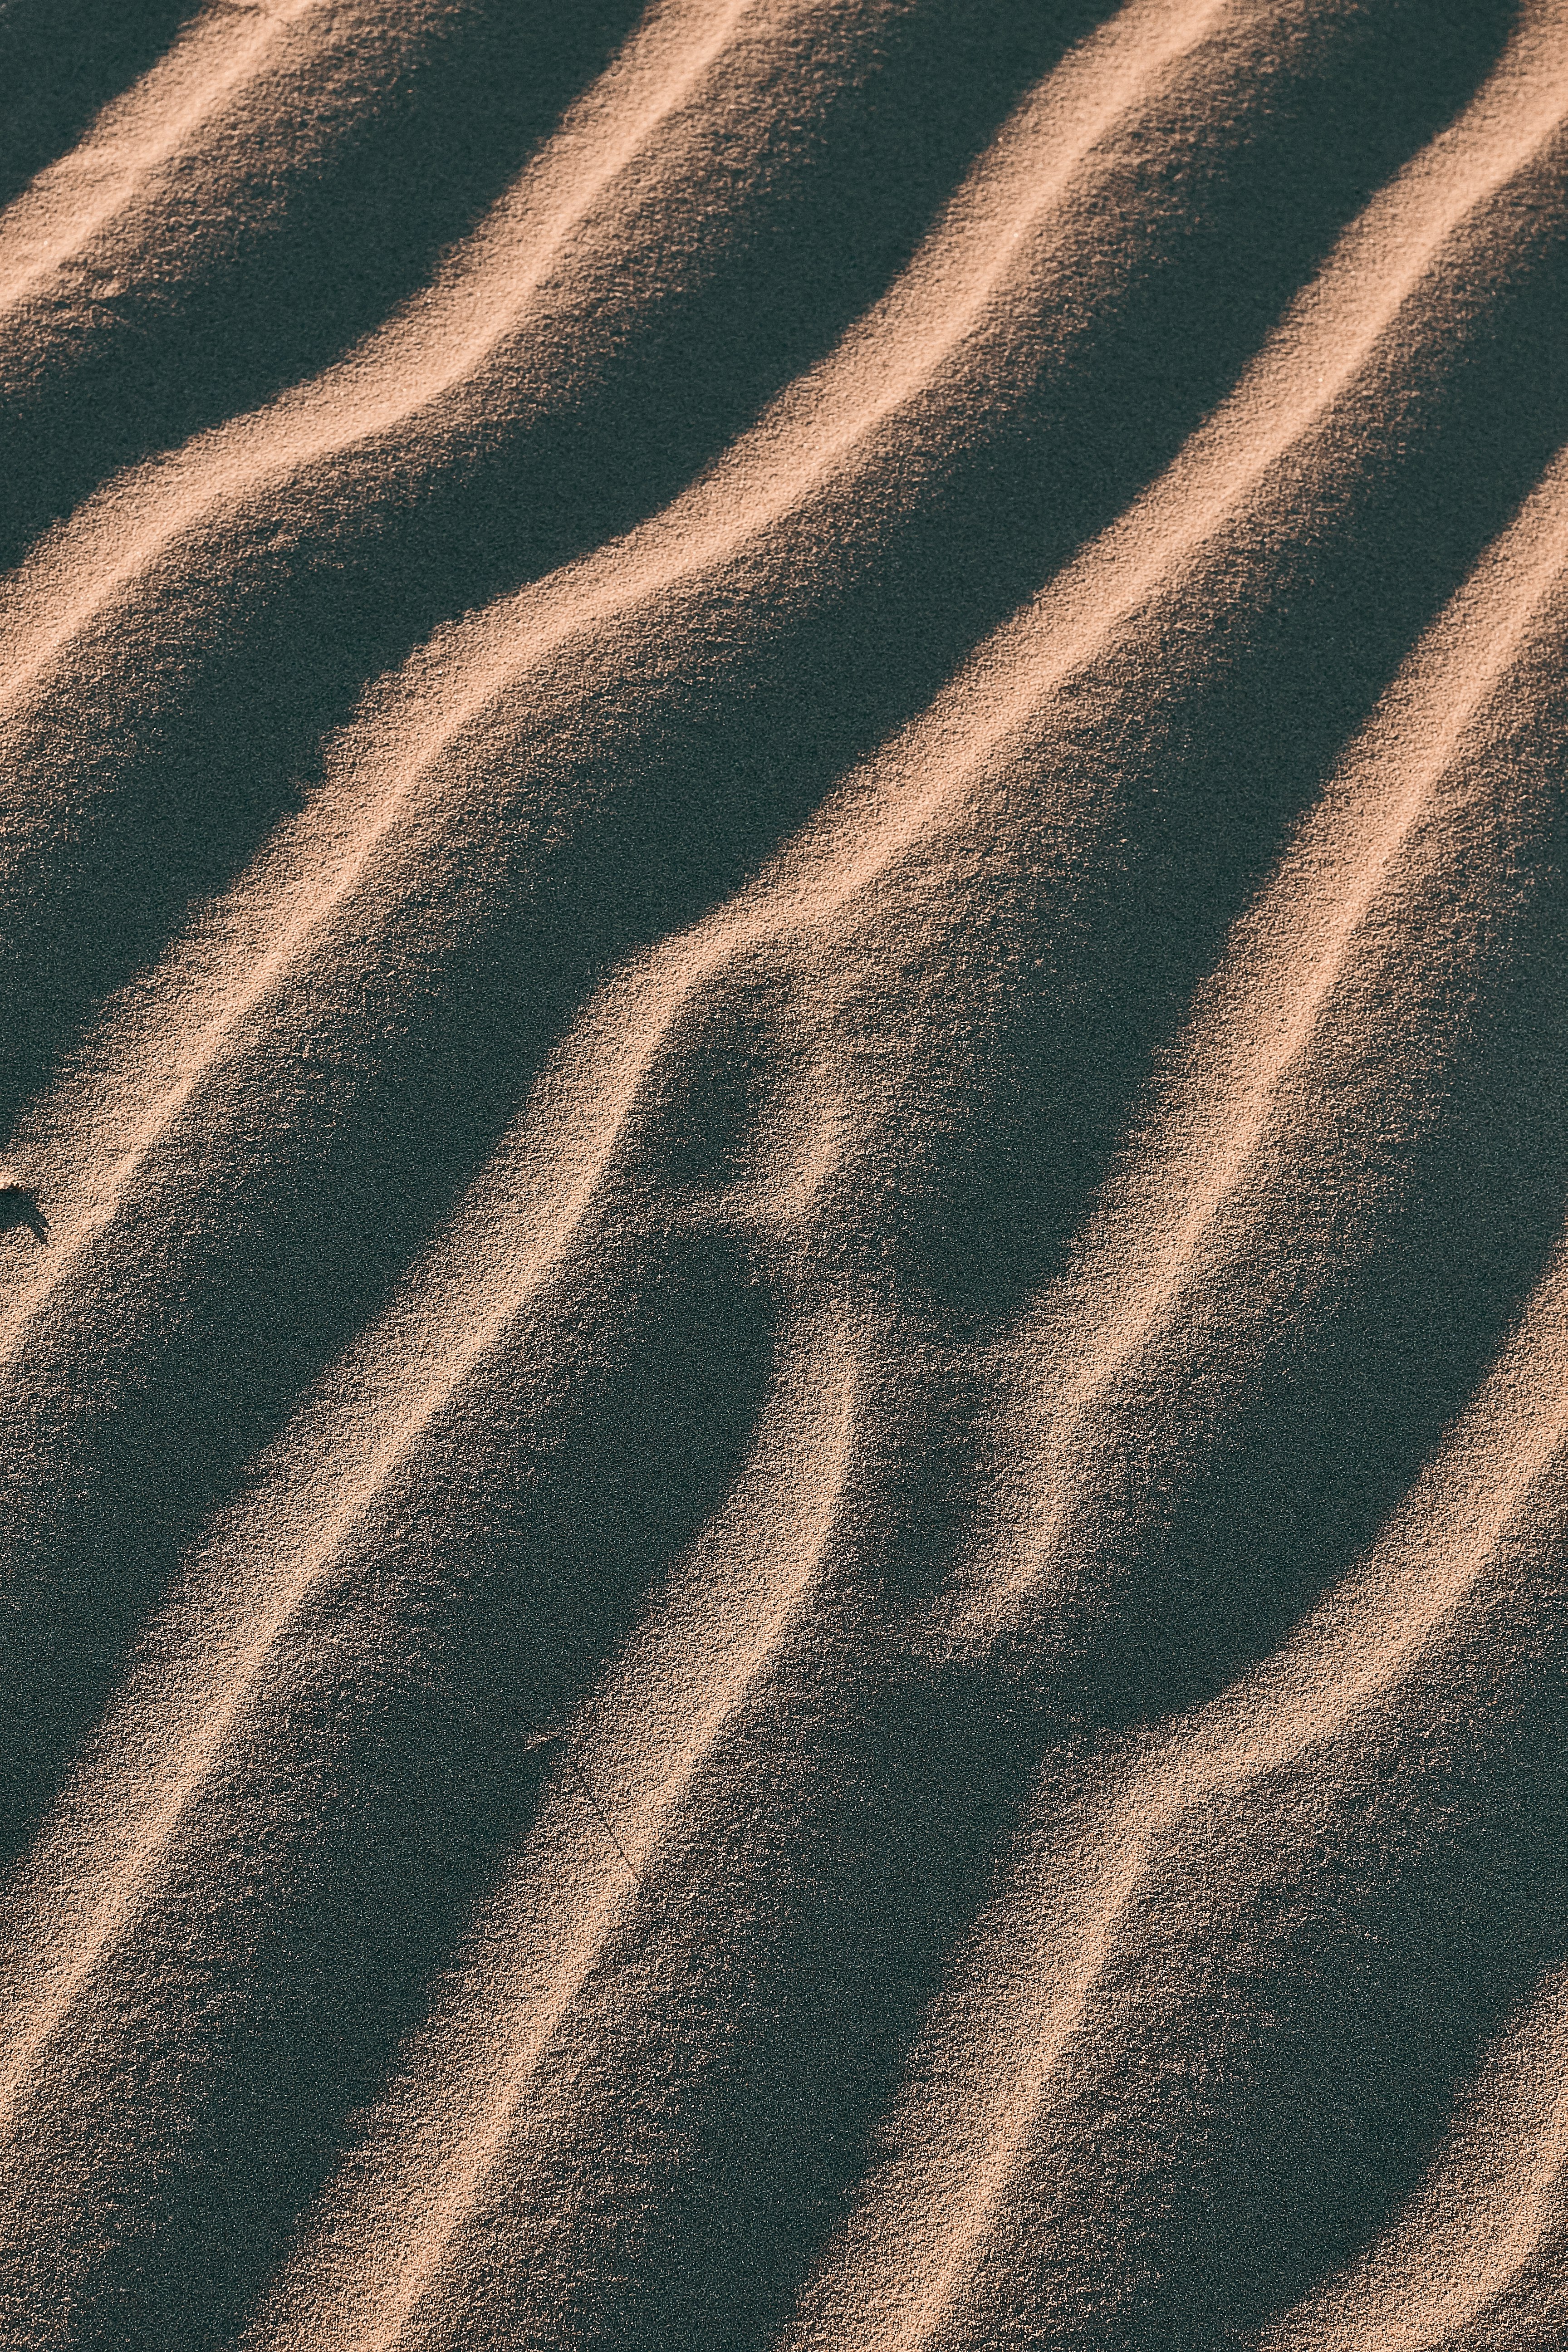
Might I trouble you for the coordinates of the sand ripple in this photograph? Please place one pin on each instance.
(784, 1309)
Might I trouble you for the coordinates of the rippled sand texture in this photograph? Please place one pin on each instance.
(784, 902)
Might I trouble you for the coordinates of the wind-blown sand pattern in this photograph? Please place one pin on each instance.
(785, 1292)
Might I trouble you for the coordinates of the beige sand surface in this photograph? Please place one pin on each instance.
(783, 1284)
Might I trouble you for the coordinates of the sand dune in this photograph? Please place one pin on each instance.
(786, 1307)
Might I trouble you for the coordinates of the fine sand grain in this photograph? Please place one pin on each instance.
(783, 1247)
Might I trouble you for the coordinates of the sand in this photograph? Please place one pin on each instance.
(784, 1284)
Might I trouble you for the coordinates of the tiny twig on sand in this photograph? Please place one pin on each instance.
(559, 1739)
